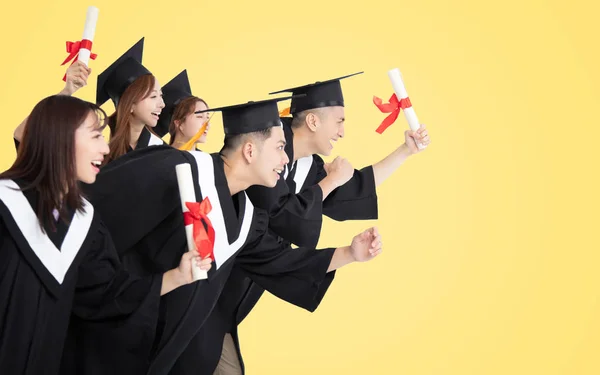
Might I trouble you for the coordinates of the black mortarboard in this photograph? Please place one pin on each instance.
(250, 117)
(317, 95)
(113, 81)
(174, 92)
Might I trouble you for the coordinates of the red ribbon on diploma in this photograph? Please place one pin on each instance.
(393, 108)
(203, 238)
(73, 51)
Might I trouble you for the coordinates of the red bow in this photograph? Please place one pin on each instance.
(73, 51)
(394, 106)
(203, 238)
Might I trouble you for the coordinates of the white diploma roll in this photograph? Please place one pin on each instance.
(188, 194)
(89, 29)
(400, 90)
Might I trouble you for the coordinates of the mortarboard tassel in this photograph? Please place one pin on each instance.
(189, 145)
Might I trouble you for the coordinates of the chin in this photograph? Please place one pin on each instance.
(202, 139)
(88, 180)
(271, 183)
(151, 122)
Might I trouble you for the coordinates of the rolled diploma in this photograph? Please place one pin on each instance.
(188, 194)
(89, 29)
(400, 90)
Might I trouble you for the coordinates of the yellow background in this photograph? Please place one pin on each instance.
(491, 249)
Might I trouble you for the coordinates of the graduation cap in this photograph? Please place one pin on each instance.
(174, 92)
(317, 95)
(115, 79)
(250, 117)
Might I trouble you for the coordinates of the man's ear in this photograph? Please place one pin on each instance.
(312, 121)
(249, 151)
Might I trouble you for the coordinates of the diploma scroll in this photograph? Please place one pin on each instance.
(188, 194)
(82, 50)
(402, 95)
(89, 30)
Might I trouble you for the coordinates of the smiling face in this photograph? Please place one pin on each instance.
(328, 128)
(90, 149)
(147, 110)
(193, 122)
(267, 157)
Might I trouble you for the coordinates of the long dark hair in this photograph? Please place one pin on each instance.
(183, 109)
(46, 157)
(120, 136)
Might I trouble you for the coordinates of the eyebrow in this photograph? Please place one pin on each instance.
(96, 127)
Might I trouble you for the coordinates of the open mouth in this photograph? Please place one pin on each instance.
(96, 165)
(156, 115)
(278, 172)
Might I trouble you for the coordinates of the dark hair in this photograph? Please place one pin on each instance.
(299, 118)
(232, 142)
(120, 120)
(183, 109)
(46, 156)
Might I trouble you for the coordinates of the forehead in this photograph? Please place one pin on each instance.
(200, 106)
(277, 134)
(91, 123)
(337, 111)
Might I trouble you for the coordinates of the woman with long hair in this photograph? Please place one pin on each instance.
(56, 256)
(179, 117)
(137, 97)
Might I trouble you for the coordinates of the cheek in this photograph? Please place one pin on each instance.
(188, 128)
(196, 124)
(81, 163)
(80, 151)
(143, 107)
(335, 129)
(150, 105)
(138, 111)
(323, 132)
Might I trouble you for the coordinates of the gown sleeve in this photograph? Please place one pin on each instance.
(114, 315)
(298, 276)
(295, 217)
(105, 290)
(355, 200)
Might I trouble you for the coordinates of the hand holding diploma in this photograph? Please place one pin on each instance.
(416, 141)
(76, 77)
(199, 239)
(400, 101)
(82, 50)
(183, 274)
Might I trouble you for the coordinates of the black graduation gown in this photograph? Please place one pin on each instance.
(296, 210)
(296, 205)
(47, 277)
(147, 139)
(138, 198)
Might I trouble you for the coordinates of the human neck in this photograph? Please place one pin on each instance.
(237, 174)
(303, 145)
(136, 129)
(180, 139)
